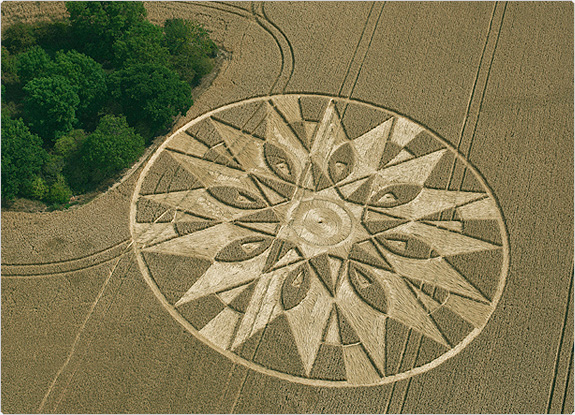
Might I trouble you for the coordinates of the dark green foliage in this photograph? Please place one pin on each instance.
(18, 37)
(34, 63)
(22, 157)
(50, 106)
(85, 75)
(54, 36)
(150, 92)
(142, 43)
(106, 58)
(9, 68)
(112, 147)
(191, 49)
(98, 24)
(59, 192)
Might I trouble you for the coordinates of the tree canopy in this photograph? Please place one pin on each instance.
(22, 157)
(111, 147)
(150, 92)
(50, 106)
(98, 24)
(89, 90)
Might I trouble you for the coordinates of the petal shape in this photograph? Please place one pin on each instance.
(280, 162)
(243, 249)
(295, 287)
(238, 198)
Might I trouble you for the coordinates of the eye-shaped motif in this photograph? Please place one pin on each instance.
(341, 163)
(295, 287)
(407, 246)
(244, 249)
(395, 195)
(280, 163)
(368, 287)
(238, 198)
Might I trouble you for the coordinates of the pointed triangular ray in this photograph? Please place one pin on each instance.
(278, 132)
(350, 187)
(320, 179)
(376, 222)
(152, 233)
(472, 311)
(241, 302)
(167, 175)
(267, 215)
(280, 187)
(220, 329)
(360, 254)
(404, 306)
(429, 303)
(198, 202)
(430, 201)
(414, 171)
(404, 131)
(329, 135)
(368, 323)
(228, 295)
(264, 305)
(289, 107)
(423, 143)
(308, 320)
(279, 249)
(402, 156)
(358, 367)
(435, 271)
(329, 363)
(346, 333)
(274, 347)
(322, 267)
(443, 241)
(186, 227)
(451, 225)
(303, 133)
(332, 331)
(211, 174)
(272, 197)
(221, 155)
(185, 143)
(482, 209)
(454, 328)
(370, 146)
(223, 275)
(245, 148)
(206, 243)
(363, 192)
(262, 227)
(151, 211)
(163, 267)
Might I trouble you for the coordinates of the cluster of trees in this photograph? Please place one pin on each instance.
(82, 97)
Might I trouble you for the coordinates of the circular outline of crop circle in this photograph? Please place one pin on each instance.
(292, 378)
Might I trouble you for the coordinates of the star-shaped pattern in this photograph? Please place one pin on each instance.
(333, 234)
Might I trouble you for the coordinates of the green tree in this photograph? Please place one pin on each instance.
(191, 48)
(112, 147)
(150, 93)
(59, 192)
(98, 24)
(50, 106)
(142, 43)
(22, 157)
(9, 68)
(18, 37)
(85, 75)
(34, 63)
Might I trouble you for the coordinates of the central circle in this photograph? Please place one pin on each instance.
(321, 222)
